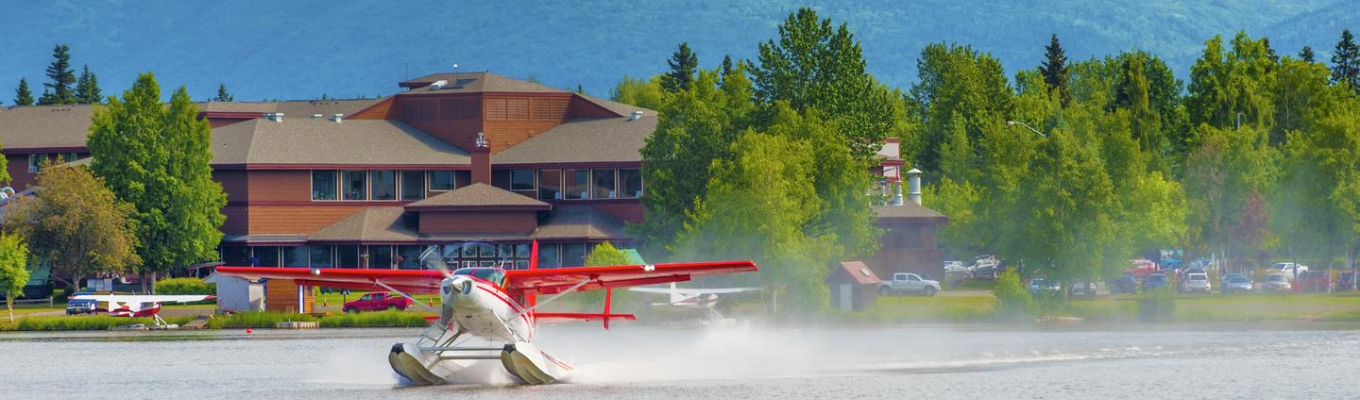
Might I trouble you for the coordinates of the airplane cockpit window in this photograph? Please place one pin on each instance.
(493, 275)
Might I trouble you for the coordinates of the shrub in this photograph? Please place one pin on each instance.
(174, 286)
(83, 323)
(1157, 305)
(384, 319)
(257, 319)
(1013, 300)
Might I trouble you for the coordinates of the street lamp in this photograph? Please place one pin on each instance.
(1014, 123)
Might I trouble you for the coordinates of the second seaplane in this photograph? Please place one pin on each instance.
(495, 304)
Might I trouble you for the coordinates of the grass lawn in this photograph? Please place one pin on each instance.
(1124, 308)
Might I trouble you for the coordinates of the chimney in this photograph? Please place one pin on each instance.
(338, 118)
(276, 117)
(316, 116)
(481, 161)
(915, 182)
(636, 116)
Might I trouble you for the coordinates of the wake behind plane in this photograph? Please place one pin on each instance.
(494, 304)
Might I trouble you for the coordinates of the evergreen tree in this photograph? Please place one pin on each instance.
(1306, 54)
(1054, 69)
(158, 155)
(1346, 61)
(87, 88)
(222, 95)
(684, 63)
(726, 65)
(23, 96)
(61, 78)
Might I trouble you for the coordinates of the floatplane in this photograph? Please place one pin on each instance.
(127, 305)
(703, 299)
(495, 304)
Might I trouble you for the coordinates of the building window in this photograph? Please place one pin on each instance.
(35, 162)
(347, 256)
(323, 185)
(548, 256)
(603, 183)
(522, 250)
(69, 157)
(356, 185)
(295, 256)
(441, 180)
(577, 184)
(380, 257)
(412, 185)
(501, 179)
(408, 257)
(573, 254)
(383, 185)
(630, 183)
(522, 179)
(550, 184)
(321, 256)
(235, 255)
(266, 256)
(486, 250)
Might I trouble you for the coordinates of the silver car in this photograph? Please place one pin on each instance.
(1276, 282)
(1237, 283)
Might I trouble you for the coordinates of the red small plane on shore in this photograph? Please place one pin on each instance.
(492, 303)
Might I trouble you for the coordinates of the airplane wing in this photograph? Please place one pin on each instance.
(557, 280)
(694, 291)
(409, 281)
(121, 298)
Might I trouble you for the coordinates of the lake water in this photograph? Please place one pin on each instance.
(937, 362)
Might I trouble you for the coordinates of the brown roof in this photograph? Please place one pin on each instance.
(265, 238)
(580, 222)
(908, 210)
(583, 141)
(621, 109)
(857, 271)
(372, 224)
(474, 82)
(321, 141)
(480, 196)
(295, 109)
(45, 126)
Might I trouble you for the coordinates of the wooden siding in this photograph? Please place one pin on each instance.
(293, 219)
(234, 183)
(280, 295)
(582, 108)
(280, 185)
(238, 221)
(478, 222)
(19, 176)
(385, 109)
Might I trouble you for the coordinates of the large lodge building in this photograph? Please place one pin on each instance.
(455, 159)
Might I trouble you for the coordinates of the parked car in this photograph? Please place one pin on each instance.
(1275, 282)
(1223, 280)
(1037, 285)
(1195, 282)
(986, 267)
(906, 282)
(1155, 280)
(1082, 289)
(82, 306)
(1127, 283)
(1290, 270)
(1142, 267)
(1237, 283)
(1313, 281)
(1346, 281)
(377, 301)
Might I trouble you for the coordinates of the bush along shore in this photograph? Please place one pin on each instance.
(253, 320)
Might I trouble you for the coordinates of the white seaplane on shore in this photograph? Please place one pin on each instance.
(703, 299)
(494, 304)
(130, 305)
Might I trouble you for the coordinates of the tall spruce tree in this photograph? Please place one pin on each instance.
(157, 156)
(1346, 61)
(1306, 54)
(1054, 69)
(222, 94)
(60, 78)
(87, 87)
(684, 63)
(23, 96)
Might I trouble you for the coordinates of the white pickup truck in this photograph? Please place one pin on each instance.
(908, 283)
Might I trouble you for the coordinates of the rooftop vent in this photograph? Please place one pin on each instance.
(276, 117)
(337, 117)
(439, 84)
(316, 116)
(636, 115)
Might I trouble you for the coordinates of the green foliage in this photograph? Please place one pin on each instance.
(1232, 84)
(1157, 305)
(605, 255)
(684, 63)
(1054, 69)
(77, 226)
(383, 319)
(642, 93)
(175, 286)
(1346, 62)
(1013, 300)
(957, 82)
(158, 158)
(87, 88)
(23, 96)
(61, 77)
(222, 95)
(13, 269)
(83, 323)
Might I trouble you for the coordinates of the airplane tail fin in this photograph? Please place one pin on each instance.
(675, 294)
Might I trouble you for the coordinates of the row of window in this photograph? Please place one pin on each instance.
(35, 160)
(550, 184)
(504, 255)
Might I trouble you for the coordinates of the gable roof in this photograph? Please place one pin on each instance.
(479, 196)
(45, 127)
(293, 108)
(371, 224)
(908, 210)
(474, 82)
(583, 141)
(857, 271)
(323, 142)
(580, 222)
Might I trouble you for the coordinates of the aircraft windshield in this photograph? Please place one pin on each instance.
(493, 275)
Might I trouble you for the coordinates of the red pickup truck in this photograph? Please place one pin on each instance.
(377, 302)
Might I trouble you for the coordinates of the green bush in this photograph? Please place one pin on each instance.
(175, 286)
(1013, 301)
(1157, 305)
(384, 319)
(257, 319)
(84, 323)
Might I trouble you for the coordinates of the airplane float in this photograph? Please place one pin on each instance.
(122, 305)
(694, 298)
(494, 304)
